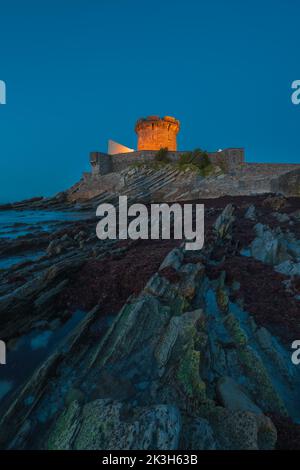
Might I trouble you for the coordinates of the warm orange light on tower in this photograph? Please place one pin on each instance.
(155, 133)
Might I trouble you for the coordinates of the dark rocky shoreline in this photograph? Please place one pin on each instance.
(159, 345)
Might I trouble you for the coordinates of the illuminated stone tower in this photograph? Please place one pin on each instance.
(155, 133)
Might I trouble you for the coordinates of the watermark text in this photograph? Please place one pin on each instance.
(295, 97)
(2, 353)
(296, 353)
(2, 92)
(162, 221)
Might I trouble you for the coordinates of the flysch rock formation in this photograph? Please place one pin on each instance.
(170, 184)
(174, 349)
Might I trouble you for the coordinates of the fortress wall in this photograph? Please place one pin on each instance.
(269, 169)
(101, 163)
(262, 177)
(123, 160)
(287, 184)
(230, 158)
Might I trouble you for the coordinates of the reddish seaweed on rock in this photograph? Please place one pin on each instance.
(110, 281)
(288, 432)
(264, 294)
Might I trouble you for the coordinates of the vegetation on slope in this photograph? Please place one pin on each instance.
(196, 161)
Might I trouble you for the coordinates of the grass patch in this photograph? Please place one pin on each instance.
(197, 161)
(162, 156)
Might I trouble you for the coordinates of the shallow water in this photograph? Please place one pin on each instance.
(14, 223)
(29, 351)
(8, 261)
(5, 387)
(246, 252)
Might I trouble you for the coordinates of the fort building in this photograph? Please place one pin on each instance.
(155, 133)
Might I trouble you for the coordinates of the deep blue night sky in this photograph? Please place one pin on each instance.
(81, 71)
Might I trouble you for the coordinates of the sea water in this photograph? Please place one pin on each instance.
(16, 223)
(28, 352)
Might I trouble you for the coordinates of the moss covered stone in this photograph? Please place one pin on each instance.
(189, 377)
(64, 430)
(266, 395)
(233, 326)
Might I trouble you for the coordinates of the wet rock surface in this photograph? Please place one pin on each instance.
(173, 349)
